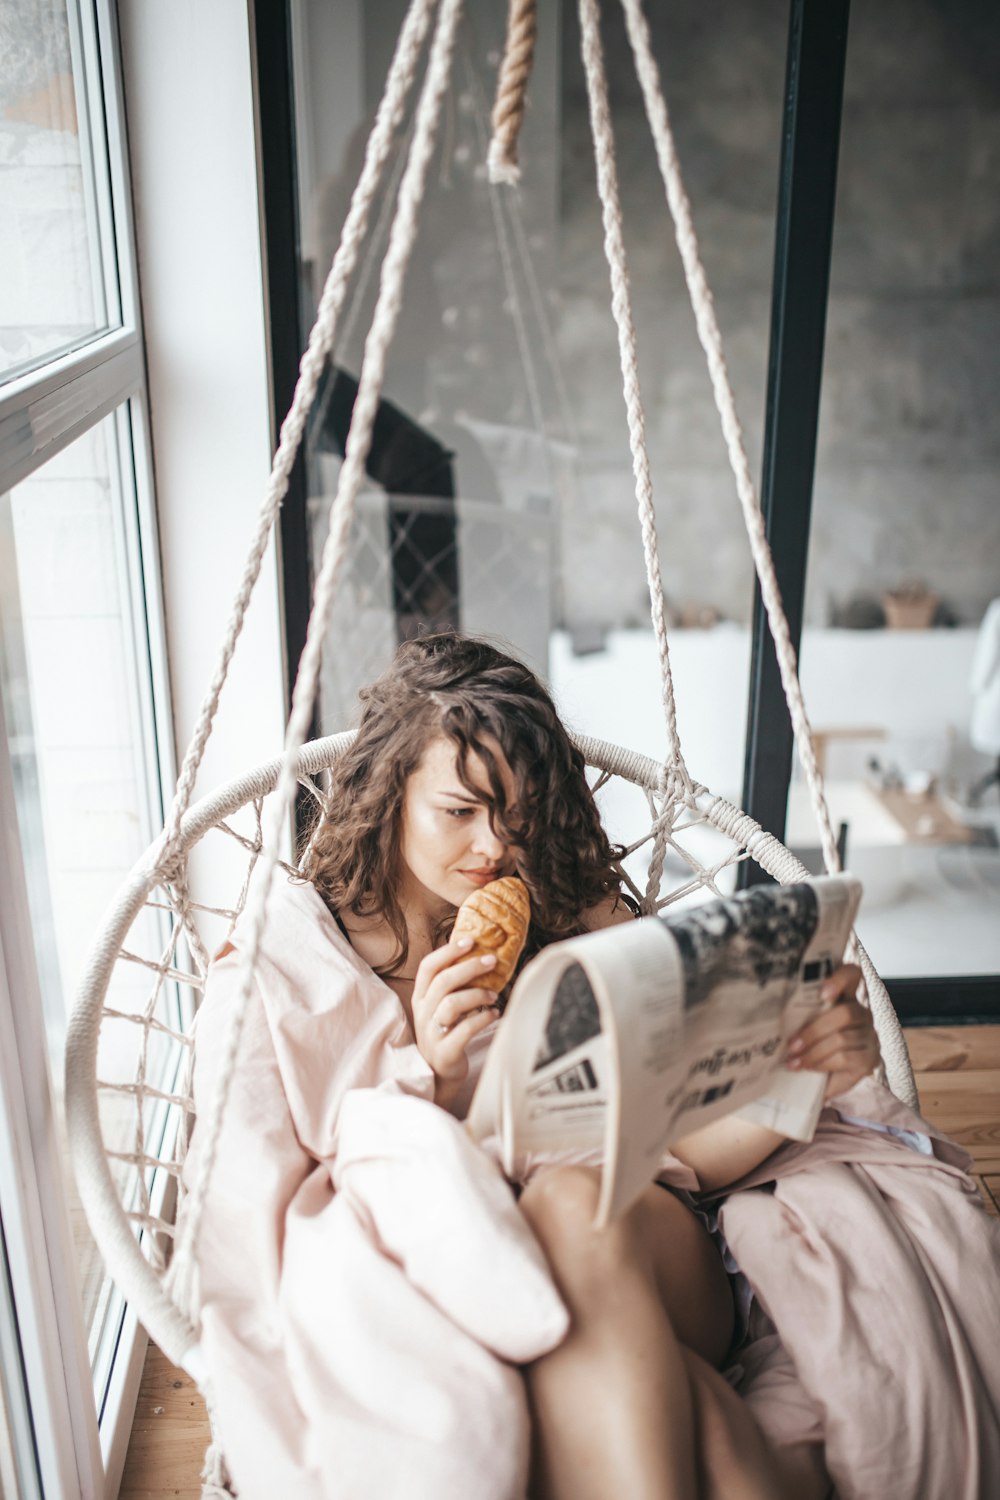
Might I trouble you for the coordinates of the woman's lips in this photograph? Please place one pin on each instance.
(480, 877)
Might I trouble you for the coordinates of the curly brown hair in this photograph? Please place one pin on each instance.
(477, 697)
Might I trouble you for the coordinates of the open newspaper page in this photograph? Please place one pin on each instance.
(631, 1037)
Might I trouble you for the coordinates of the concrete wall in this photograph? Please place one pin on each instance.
(906, 483)
(906, 471)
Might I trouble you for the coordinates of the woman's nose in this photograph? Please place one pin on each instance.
(489, 843)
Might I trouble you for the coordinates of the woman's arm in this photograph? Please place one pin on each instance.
(841, 1043)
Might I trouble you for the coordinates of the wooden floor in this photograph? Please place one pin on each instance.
(958, 1076)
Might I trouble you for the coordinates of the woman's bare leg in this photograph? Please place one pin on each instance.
(613, 1406)
(735, 1460)
(629, 1403)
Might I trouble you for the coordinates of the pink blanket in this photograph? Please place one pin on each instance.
(368, 1286)
(878, 1268)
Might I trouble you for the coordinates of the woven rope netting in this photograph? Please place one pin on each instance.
(129, 1059)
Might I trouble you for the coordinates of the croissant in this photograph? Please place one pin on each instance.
(496, 918)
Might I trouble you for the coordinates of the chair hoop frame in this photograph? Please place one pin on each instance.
(114, 1234)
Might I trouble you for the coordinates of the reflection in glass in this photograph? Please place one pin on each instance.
(51, 275)
(499, 495)
(905, 548)
(71, 679)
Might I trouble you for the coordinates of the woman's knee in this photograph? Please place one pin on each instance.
(561, 1206)
(561, 1202)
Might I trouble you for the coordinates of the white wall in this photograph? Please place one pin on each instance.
(189, 102)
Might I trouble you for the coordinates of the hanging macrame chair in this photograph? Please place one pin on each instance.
(132, 1197)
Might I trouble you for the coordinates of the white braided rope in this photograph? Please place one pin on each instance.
(390, 113)
(711, 341)
(215, 1481)
(614, 250)
(401, 240)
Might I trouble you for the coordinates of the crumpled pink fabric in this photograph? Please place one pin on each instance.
(879, 1270)
(367, 1283)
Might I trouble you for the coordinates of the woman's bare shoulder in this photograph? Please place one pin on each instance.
(607, 913)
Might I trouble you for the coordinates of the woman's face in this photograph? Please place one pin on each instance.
(447, 846)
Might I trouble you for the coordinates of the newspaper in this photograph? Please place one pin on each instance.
(631, 1037)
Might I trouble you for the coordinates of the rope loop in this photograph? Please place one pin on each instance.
(511, 98)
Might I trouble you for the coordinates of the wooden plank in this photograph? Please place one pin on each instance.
(987, 1162)
(169, 1436)
(966, 1106)
(961, 1083)
(946, 1049)
(975, 1133)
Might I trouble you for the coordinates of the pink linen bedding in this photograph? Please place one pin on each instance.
(369, 1288)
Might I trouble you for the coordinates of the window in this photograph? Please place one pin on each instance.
(82, 681)
(58, 288)
(905, 534)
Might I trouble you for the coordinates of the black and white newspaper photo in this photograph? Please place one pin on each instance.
(625, 1039)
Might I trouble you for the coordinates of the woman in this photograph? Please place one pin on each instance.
(357, 1342)
(461, 773)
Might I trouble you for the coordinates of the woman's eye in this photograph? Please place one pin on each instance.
(460, 812)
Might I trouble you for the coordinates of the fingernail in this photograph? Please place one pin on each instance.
(463, 942)
(795, 1046)
(488, 960)
(795, 1062)
(828, 992)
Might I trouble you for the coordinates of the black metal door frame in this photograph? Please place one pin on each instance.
(807, 187)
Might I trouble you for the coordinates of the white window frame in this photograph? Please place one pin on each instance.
(43, 411)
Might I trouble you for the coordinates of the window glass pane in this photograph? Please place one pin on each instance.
(75, 690)
(499, 494)
(905, 550)
(52, 283)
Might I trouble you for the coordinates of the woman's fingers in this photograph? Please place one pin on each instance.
(840, 1017)
(450, 1007)
(438, 959)
(841, 1042)
(831, 1053)
(842, 984)
(458, 974)
(449, 982)
(451, 1048)
(456, 1007)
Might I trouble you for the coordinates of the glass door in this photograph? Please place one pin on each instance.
(499, 494)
